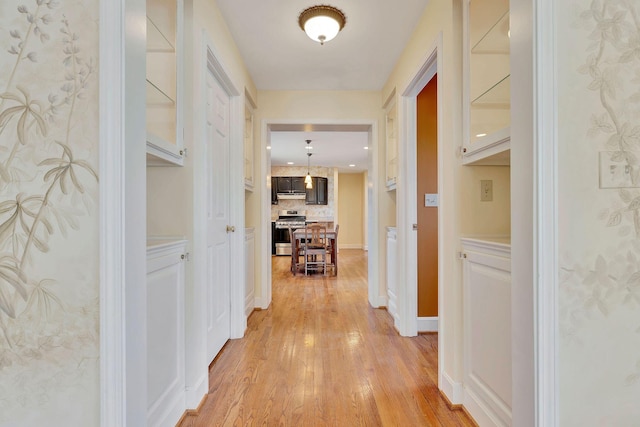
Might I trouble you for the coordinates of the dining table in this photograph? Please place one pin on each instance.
(300, 234)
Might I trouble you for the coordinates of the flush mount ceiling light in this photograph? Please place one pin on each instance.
(322, 23)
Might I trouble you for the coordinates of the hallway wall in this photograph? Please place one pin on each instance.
(49, 268)
(599, 181)
(351, 189)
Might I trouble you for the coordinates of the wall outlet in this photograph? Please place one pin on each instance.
(486, 190)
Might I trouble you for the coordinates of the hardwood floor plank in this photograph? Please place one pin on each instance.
(321, 356)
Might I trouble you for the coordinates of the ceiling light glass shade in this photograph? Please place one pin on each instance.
(309, 184)
(321, 23)
(308, 180)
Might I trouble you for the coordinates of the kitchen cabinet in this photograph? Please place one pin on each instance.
(165, 331)
(487, 329)
(164, 82)
(391, 121)
(318, 194)
(291, 184)
(274, 190)
(248, 144)
(487, 83)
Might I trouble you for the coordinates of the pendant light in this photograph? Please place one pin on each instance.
(307, 179)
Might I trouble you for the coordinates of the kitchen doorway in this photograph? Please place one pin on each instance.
(370, 196)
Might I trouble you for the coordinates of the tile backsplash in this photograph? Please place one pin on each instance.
(313, 211)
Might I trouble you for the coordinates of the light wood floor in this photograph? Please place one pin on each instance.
(321, 356)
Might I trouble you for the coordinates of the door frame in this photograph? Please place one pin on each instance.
(407, 215)
(369, 126)
(236, 187)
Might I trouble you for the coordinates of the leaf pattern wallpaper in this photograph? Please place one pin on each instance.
(598, 51)
(49, 259)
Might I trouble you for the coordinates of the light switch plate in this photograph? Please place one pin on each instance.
(486, 190)
(430, 200)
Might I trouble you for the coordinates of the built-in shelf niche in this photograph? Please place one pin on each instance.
(164, 140)
(488, 81)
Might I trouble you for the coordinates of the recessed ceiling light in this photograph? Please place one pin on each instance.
(480, 135)
(268, 147)
(366, 148)
(289, 163)
(352, 166)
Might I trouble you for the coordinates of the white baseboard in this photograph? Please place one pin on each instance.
(427, 324)
(482, 414)
(383, 302)
(453, 390)
(194, 394)
(258, 303)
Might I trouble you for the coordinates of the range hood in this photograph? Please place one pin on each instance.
(292, 196)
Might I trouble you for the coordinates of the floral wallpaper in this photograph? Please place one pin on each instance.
(49, 292)
(598, 51)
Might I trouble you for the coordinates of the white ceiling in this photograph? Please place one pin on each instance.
(280, 56)
(330, 149)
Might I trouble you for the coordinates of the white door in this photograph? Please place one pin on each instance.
(218, 286)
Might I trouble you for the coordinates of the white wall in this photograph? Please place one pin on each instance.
(49, 268)
(599, 295)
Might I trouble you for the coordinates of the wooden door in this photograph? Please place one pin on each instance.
(427, 175)
(218, 244)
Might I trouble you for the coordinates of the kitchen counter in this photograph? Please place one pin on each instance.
(320, 219)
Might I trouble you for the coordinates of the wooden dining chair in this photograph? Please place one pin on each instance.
(315, 251)
(297, 250)
(332, 250)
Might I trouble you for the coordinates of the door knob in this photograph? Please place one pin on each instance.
(231, 229)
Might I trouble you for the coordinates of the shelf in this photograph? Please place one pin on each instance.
(497, 96)
(162, 153)
(491, 150)
(496, 39)
(156, 40)
(156, 97)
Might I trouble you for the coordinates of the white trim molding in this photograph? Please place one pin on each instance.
(407, 273)
(546, 220)
(236, 187)
(428, 324)
(123, 310)
(361, 125)
(112, 259)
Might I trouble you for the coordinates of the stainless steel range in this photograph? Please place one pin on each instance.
(287, 219)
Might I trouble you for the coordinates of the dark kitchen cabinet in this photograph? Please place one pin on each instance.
(290, 184)
(322, 191)
(274, 190)
(318, 195)
(312, 195)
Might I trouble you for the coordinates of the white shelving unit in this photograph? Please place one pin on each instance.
(391, 124)
(487, 83)
(164, 82)
(249, 107)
